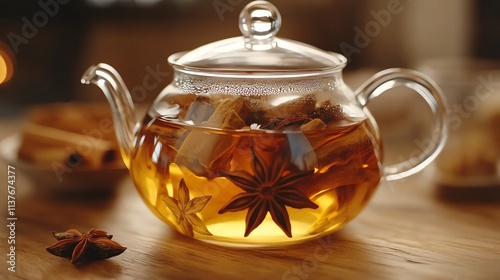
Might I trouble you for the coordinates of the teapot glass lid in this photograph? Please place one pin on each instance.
(258, 50)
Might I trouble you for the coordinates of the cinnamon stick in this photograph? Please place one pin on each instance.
(75, 117)
(48, 155)
(41, 144)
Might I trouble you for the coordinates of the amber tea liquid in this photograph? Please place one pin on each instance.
(252, 186)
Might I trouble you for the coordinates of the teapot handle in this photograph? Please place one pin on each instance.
(429, 91)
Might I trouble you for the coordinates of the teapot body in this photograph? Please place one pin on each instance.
(246, 161)
(258, 141)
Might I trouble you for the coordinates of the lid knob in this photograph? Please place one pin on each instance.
(259, 23)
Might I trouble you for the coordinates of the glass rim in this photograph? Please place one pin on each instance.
(255, 73)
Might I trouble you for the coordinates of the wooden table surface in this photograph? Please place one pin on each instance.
(406, 232)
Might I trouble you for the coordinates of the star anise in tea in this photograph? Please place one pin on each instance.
(185, 209)
(95, 244)
(268, 189)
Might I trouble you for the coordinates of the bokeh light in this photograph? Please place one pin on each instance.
(6, 64)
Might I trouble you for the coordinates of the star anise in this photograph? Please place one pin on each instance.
(79, 247)
(185, 211)
(268, 189)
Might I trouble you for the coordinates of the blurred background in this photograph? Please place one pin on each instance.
(52, 42)
(46, 45)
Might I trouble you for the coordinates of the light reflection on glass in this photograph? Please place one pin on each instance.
(283, 99)
(157, 152)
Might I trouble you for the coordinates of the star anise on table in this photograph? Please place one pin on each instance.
(185, 209)
(268, 189)
(95, 244)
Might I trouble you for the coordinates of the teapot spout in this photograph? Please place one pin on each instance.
(124, 118)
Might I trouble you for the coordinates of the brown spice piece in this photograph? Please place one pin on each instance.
(270, 188)
(328, 112)
(315, 124)
(184, 209)
(275, 107)
(201, 152)
(96, 244)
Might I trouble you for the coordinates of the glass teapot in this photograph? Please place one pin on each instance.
(258, 141)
